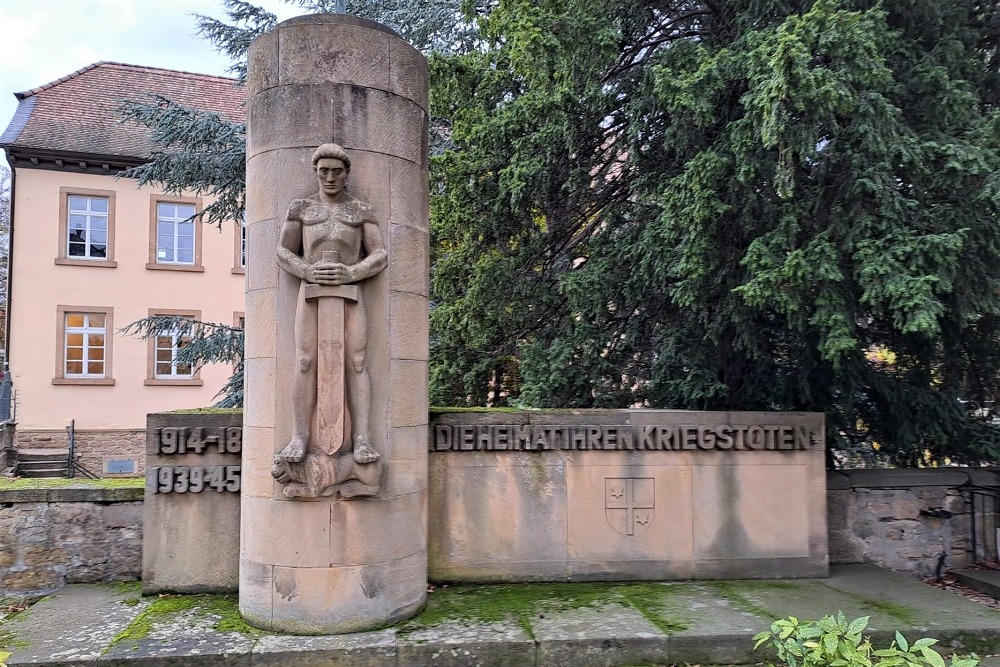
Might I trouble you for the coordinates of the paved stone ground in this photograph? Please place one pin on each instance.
(692, 622)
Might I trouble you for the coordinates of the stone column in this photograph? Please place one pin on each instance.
(331, 565)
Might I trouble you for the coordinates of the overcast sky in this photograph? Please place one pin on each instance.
(43, 40)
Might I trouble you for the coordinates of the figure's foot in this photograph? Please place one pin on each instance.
(294, 451)
(356, 489)
(363, 452)
(279, 471)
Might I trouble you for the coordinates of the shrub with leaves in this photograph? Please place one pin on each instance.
(833, 642)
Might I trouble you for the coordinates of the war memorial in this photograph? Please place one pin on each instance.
(352, 496)
(338, 496)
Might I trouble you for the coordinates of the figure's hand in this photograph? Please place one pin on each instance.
(330, 273)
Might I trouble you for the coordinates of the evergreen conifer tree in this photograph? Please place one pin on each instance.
(761, 205)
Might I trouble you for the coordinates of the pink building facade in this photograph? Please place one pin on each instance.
(91, 253)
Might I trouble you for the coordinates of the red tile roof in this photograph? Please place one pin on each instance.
(76, 113)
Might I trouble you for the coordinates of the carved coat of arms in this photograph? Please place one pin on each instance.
(628, 503)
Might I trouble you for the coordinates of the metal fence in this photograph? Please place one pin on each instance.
(985, 515)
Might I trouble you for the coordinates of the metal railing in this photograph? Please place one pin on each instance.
(72, 467)
(985, 524)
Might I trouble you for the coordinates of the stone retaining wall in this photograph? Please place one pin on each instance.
(53, 537)
(91, 447)
(903, 520)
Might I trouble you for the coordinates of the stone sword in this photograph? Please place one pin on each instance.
(331, 388)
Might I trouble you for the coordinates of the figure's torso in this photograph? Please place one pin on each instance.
(336, 227)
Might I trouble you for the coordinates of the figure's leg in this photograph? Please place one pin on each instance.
(358, 381)
(303, 380)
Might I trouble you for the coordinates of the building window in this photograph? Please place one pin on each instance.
(87, 227)
(162, 368)
(240, 247)
(175, 234)
(84, 346)
(166, 345)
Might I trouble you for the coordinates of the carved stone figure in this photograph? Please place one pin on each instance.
(341, 246)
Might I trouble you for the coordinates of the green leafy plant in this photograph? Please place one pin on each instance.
(833, 642)
(3, 658)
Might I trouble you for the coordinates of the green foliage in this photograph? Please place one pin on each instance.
(200, 151)
(697, 205)
(712, 206)
(208, 342)
(833, 642)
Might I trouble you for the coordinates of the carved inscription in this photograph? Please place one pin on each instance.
(195, 479)
(618, 437)
(183, 440)
(179, 441)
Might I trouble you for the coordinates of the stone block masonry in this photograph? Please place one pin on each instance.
(892, 518)
(53, 537)
(91, 446)
(903, 520)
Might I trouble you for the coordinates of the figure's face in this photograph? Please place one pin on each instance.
(332, 176)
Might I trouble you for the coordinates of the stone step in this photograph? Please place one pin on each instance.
(42, 454)
(981, 579)
(36, 465)
(36, 474)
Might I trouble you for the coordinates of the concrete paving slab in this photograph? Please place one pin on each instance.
(716, 629)
(805, 599)
(70, 627)
(979, 579)
(598, 636)
(361, 649)
(691, 622)
(467, 643)
(185, 638)
(960, 625)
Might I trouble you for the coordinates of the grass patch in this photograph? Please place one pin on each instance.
(523, 603)
(166, 607)
(17, 483)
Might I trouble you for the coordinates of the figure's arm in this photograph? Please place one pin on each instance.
(376, 259)
(289, 241)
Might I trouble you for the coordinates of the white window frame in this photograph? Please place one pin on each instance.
(63, 331)
(86, 330)
(90, 216)
(175, 221)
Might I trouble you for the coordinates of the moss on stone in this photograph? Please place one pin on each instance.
(653, 602)
(525, 602)
(18, 483)
(8, 639)
(732, 591)
(897, 611)
(440, 411)
(166, 607)
(160, 609)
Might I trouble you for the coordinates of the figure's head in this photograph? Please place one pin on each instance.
(332, 166)
(333, 152)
